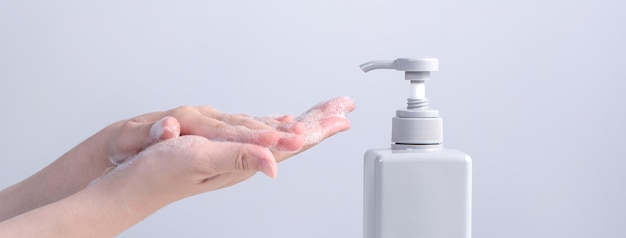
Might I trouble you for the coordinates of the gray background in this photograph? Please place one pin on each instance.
(533, 90)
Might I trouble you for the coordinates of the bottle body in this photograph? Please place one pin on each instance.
(417, 191)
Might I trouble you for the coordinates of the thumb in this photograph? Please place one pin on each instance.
(166, 128)
(232, 156)
(134, 136)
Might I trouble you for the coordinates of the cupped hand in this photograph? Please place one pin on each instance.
(183, 166)
(129, 137)
(187, 165)
(320, 122)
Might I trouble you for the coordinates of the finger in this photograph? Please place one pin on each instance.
(248, 121)
(232, 157)
(283, 123)
(326, 119)
(289, 143)
(164, 129)
(194, 122)
(314, 135)
(320, 122)
(224, 132)
(203, 121)
(210, 123)
(284, 118)
(287, 140)
(244, 129)
(292, 127)
(267, 138)
(135, 135)
(327, 127)
(212, 114)
(290, 136)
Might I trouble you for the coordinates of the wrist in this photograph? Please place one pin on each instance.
(128, 187)
(103, 209)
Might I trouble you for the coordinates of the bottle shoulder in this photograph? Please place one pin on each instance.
(443, 153)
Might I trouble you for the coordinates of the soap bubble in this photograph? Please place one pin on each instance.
(312, 119)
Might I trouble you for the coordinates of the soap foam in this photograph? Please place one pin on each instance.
(233, 133)
(312, 119)
(182, 142)
(118, 159)
(314, 135)
(339, 106)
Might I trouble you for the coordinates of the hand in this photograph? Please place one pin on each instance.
(132, 136)
(73, 171)
(174, 168)
(183, 166)
(282, 134)
(320, 122)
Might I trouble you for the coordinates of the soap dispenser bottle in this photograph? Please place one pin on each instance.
(417, 188)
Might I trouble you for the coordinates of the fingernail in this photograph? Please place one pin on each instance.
(268, 138)
(268, 167)
(289, 142)
(156, 131)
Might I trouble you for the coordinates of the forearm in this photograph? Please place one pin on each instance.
(67, 175)
(102, 210)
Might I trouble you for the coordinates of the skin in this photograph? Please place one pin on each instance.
(163, 157)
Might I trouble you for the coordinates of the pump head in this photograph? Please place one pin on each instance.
(417, 124)
(415, 70)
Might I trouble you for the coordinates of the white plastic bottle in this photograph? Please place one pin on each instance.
(416, 188)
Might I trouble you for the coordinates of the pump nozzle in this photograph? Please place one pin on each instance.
(403, 64)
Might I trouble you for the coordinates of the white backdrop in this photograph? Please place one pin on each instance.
(533, 90)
